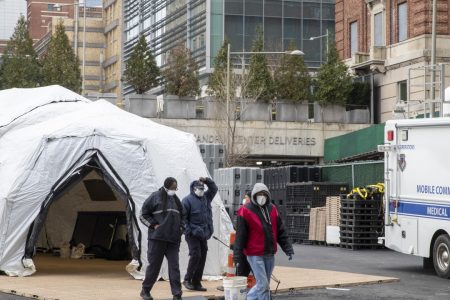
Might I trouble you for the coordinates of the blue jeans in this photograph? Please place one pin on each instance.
(262, 267)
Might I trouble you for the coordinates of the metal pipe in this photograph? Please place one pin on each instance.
(387, 180)
(84, 47)
(77, 8)
(433, 58)
(228, 103)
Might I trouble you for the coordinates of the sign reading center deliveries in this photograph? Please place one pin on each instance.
(261, 140)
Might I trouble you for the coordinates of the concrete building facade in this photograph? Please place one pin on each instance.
(10, 11)
(202, 25)
(112, 62)
(391, 40)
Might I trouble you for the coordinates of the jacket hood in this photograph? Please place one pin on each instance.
(260, 187)
(194, 183)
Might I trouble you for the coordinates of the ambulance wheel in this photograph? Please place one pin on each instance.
(441, 256)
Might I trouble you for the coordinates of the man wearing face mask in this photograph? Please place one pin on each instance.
(163, 214)
(259, 230)
(199, 229)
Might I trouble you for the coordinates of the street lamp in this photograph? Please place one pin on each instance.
(293, 52)
(76, 6)
(321, 36)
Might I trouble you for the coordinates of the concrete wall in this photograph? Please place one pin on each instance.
(267, 138)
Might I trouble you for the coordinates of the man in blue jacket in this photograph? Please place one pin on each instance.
(163, 214)
(199, 229)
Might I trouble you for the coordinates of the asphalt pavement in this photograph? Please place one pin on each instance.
(415, 283)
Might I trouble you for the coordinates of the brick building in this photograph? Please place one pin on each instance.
(88, 42)
(390, 40)
(40, 14)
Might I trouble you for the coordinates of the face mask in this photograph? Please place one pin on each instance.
(243, 201)
(199, 192)
(171, 192)
(261, 200)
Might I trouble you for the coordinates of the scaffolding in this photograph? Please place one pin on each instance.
(425, 92)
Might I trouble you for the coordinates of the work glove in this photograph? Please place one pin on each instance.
(236, 259)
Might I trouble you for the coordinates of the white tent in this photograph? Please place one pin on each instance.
(51, 138)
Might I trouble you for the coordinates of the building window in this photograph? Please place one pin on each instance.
(51, 7)
(354, 37)
(402, 91)
(402, 22)
(378, 29)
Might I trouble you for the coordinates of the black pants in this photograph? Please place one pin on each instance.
(155, 255)
(198, 249)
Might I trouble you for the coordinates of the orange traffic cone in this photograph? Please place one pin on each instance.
(231, 269)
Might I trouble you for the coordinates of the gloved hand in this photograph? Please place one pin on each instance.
(290, 256)
(236, 259)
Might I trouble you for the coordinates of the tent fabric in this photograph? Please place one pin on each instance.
(48, 134)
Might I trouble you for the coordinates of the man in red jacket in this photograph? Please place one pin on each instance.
(259, 230)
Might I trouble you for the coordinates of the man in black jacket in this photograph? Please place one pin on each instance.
(199, 229)
(163, 214)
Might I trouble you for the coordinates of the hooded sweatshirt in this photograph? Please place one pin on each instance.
(260, 228)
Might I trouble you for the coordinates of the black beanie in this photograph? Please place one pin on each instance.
(168, 182)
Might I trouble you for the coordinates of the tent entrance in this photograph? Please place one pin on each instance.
(89, 204)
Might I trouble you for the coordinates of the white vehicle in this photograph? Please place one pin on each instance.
(417, 189)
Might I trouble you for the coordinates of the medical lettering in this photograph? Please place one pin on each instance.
(437, 211)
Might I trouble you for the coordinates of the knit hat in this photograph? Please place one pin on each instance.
(169, 181)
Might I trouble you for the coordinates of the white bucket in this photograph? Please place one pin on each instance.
(235, 288)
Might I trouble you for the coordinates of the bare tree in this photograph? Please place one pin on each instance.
(226, 121)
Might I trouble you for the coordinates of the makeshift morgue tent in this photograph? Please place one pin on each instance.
(56, 147)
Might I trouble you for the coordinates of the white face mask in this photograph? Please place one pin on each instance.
(261, 200)
(171, 192)
(199, 192)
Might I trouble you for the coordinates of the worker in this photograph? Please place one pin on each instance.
(259, 230)
(243, 267)
(163, 214)
(199, 229)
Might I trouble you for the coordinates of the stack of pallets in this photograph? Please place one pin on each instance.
(333, 210)
(333, 215)
(300, 199)
(361, 223)
(317, 225)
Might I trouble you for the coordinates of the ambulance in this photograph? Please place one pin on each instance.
(417, 190)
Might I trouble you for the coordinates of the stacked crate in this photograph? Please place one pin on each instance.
(333, 213)
(301, 198)
(213, 155)
(233, 184)
(277, 179)
(361, 222)
(317, 224)
(333, 210)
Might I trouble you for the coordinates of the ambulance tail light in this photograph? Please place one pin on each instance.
(390, 135)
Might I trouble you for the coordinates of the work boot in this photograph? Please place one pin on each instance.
(189, 285)
(198, 287)
(145, 294)
(177, 297)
